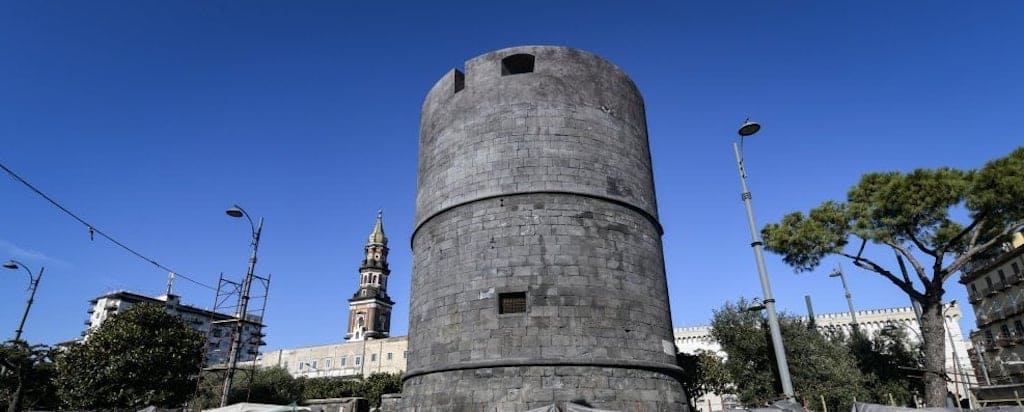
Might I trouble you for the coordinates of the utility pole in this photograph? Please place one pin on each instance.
(243, 304)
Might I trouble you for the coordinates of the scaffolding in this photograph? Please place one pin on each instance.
(223, 328)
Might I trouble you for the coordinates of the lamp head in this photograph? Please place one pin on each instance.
(11, 265)
(755, 306)
(748, 128)
(235, 211)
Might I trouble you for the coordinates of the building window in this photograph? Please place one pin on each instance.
(405, 355)
(1002, 277)
(1015, 267)
(1018, 327)
(313, 365)
(1005, 330)
(389, 355)
(327, 363)
(359, 360)
(988, 282)
(517, 64)
(514, 302)
(342, 360)
(373, 357)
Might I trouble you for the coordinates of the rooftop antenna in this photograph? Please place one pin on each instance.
(170, 282)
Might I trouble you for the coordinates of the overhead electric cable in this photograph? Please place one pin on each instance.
(94, 230)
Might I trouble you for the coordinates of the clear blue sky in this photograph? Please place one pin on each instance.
(150, 118)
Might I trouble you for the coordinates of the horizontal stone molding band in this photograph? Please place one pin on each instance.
(670, 370)
(648, 216)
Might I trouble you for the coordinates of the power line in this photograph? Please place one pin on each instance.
(94, 230)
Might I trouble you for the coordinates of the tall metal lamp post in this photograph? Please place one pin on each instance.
(243, 301)
(33, 283)
(838, 273)
(746, 130)
(958, 371)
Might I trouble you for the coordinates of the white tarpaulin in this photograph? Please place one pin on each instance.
(258, 407)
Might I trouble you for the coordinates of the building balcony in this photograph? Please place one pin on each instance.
(974, 297)
(984, 318)
(1006, 340)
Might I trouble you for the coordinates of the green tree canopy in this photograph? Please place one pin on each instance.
(269, 385)
(890, 364)
(703, 373)
(832, 366)
(27, 381)
(143, 356)
(937, 220)
(276, 386)
(378, 384)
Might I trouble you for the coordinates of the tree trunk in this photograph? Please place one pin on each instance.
(933, 346)
(15, 405)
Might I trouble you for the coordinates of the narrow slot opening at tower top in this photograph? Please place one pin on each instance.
(458, 80)
(517, 64)
(514, 302)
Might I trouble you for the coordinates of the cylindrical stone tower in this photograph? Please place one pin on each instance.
(538, 274)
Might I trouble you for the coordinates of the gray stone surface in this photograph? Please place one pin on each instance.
(338, 405)
(390, 402)
(538, 183)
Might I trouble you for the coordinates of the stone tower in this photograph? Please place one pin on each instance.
(369, 309)
(538, 274)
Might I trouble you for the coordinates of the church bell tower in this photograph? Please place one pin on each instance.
(369, 308)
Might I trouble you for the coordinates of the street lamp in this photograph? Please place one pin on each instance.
(748, 129)
(959, 371)
(33, 283)
(243, 301)
(838, 273)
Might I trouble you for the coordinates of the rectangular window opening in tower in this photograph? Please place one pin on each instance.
(512, 302)
(517, 64)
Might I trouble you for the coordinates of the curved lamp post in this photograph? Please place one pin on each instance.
(748, 129)
(33, 283)
(243, 301)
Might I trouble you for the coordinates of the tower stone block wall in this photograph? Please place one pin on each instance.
(538, 274)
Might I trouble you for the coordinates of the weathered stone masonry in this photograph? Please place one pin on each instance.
(538, 273)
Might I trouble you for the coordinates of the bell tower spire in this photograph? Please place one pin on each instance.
(370, 307)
